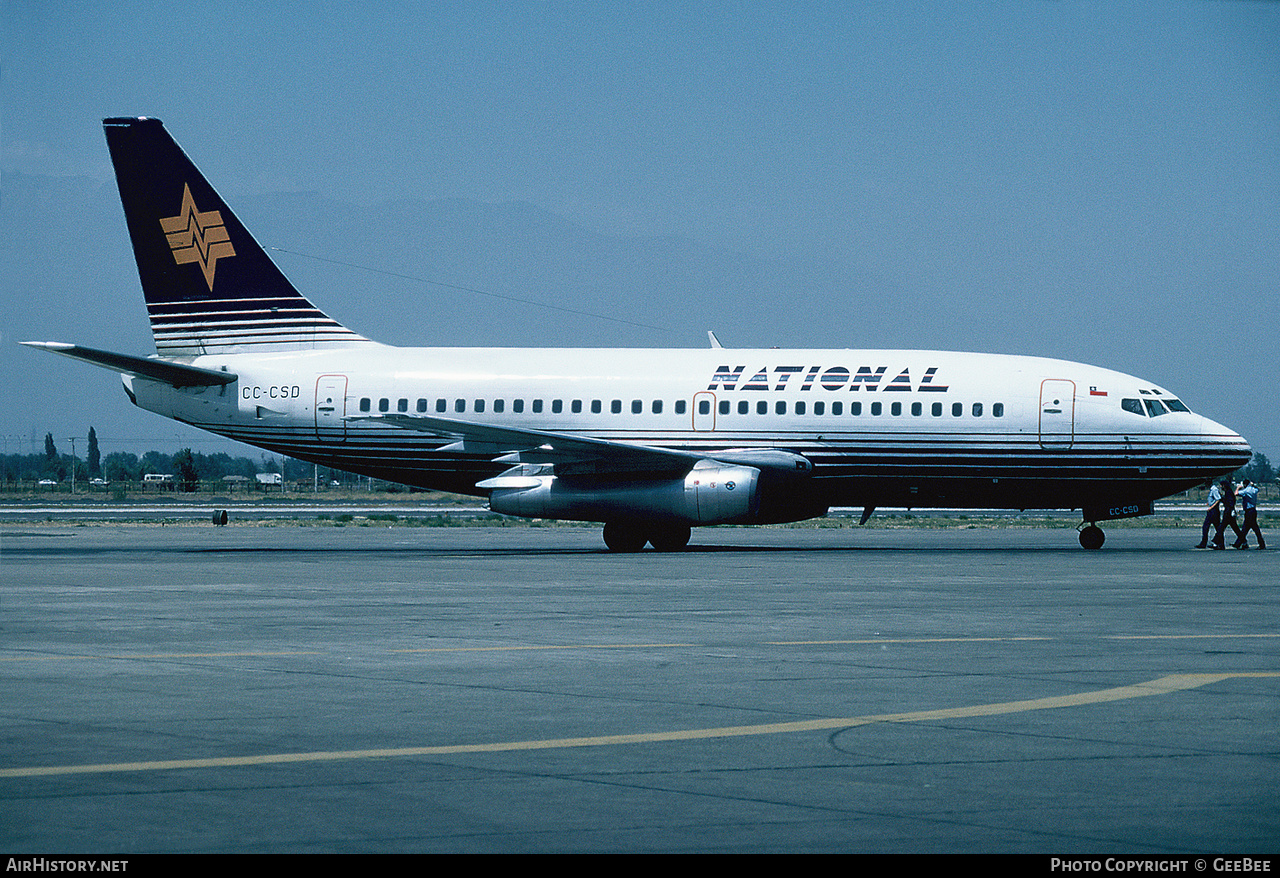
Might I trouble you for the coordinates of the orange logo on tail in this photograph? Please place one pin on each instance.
(196, 236)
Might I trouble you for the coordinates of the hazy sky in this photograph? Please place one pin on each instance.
(1092, 181)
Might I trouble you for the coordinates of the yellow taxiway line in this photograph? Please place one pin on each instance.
(1160, 686)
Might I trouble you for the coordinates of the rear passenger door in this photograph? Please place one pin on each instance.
(331, 407)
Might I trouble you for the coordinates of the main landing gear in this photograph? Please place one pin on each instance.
(1091, 536)
(631, 536)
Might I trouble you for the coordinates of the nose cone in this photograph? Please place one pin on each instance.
(1225, 446)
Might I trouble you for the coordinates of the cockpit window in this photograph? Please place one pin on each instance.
(1153, 407)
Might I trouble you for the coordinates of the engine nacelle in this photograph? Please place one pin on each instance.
(712, 493)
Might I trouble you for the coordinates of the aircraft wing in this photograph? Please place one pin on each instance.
(570, 454)
(582, 455)
(176, 374)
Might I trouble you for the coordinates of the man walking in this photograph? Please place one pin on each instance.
(1228, 506)
(1212, 515)
(1248, 495)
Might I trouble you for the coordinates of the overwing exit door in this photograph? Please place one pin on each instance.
(704, 410)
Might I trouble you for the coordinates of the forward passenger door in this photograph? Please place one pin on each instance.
(1057, 413)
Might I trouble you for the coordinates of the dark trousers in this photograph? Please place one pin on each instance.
(1211, 520)
(1228, 520)
(1251, 524)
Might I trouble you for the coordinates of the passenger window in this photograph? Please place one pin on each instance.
(876, 408)
(762, 408)
(821, 408)
(916, 409)
(616, 407)
(937, 409)
(997, 410)
(637, 406)
(402, 405)
(365, 403)
(576, 406)
(800, 408)
(724, 406)
(499, 406)
(895, 409)
(384, 405)
(459, 405)
(977, 409)
(595, 407)
(442, 405)
(682, 406)
(957, 409)
(537, 406)
(557, 406)
(780, 407)
(1133, 406)
(422, 406)
(479, 406)
(704, 407)
(657, 406)
(517, 405)
(743, 406)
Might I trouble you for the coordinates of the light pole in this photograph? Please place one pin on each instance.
(72, 439)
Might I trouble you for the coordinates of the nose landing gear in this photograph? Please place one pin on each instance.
(1091, 536)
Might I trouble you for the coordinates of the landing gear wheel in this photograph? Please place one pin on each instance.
(624, 536)
(670, 537)
(1092, 537)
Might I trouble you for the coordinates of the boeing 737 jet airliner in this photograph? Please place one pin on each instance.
(649, 442)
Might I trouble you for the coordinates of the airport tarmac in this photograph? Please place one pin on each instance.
(373, 689)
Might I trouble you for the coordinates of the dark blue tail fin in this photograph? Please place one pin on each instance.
(210, 287)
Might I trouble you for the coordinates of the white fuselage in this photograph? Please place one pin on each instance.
(912, 428)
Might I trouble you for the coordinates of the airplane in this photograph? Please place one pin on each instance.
(650, 442)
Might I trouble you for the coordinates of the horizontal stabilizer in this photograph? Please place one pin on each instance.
(176, 374)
